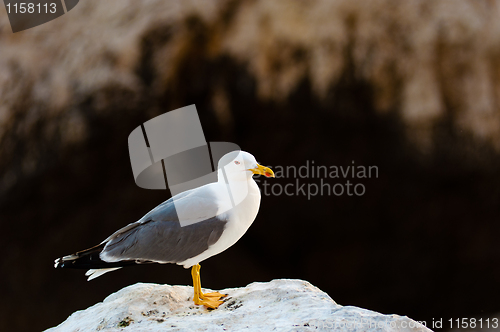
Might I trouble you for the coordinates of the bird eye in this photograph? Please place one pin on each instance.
(237, 162)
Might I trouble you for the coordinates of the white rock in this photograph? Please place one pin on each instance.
(279, 305)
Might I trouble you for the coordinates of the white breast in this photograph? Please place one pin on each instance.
(240, 218)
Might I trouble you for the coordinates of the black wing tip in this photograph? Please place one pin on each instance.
(91, 261)
(63, 262)
(82, 259)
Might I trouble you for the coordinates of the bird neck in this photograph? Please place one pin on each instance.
(226, 177)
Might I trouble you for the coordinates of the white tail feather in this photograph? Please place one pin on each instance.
(94, 273)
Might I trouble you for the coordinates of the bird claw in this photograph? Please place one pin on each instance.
(213, 304)
(210, 300)
(211, 296)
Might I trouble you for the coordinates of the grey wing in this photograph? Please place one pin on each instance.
(159, 237)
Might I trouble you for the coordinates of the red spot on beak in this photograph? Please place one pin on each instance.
(267, 174)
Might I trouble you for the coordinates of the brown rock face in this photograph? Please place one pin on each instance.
(412, 87)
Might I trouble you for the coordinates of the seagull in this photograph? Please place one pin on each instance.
(186, 229)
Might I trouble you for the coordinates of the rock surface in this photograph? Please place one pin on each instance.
(279, 305)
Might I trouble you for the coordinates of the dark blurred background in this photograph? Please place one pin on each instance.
(412, 87)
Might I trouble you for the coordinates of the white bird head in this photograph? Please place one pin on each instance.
(241, 165)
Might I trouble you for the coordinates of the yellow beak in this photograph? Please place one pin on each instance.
(266, 171)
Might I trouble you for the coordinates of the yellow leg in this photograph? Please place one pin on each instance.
(211, 300)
